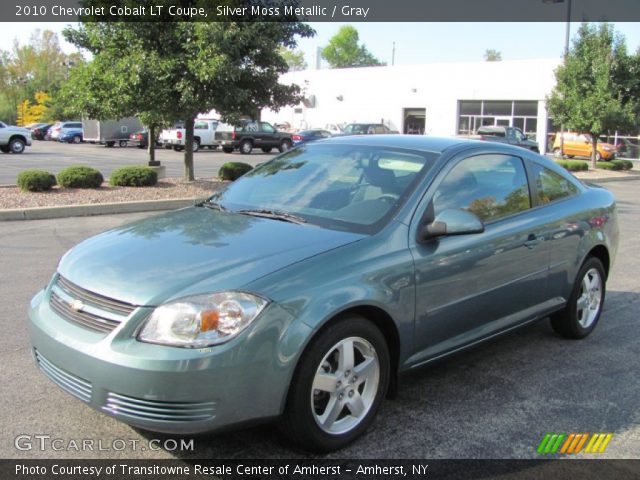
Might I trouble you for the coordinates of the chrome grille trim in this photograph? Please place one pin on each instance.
(71, 384)
(82, 318)
(95, 299)
(137, 408)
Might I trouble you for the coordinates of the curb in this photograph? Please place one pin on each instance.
(608, 179)
(41, 213)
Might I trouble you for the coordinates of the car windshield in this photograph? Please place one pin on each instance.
(345, 187)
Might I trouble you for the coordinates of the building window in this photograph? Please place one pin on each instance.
(473, 114)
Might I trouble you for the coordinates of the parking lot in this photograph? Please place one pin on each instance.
(54, 156)
(495, 401)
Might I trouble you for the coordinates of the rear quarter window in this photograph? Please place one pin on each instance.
(551, 186)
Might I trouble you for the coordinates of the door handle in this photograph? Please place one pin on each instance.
(532, 241)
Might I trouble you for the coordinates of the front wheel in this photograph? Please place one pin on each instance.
(598, 157)
(581, 315)
(338, 386)
(77, 139)
(556, 153)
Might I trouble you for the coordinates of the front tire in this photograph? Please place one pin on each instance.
(17, 145)
(77, 139)
(581, 315)
(338, 386)
(196, 145)
(598, 157)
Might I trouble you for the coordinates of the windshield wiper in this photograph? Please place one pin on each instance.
(211, 203)
(275, 214)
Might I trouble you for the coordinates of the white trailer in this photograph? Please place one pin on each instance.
(110, 132)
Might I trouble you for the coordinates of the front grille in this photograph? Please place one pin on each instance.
(139, 409)
(76, 386)
(88, 309)
(95, 299)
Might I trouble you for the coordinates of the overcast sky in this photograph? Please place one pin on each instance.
(415, 42)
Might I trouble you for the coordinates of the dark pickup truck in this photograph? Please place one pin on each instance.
(511, 135)
(249, 135)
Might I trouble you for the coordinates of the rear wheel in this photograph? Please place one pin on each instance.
(196, 145)
(245, 147)
(77, 139)
(338, 386)
(556, 153)
(109, 144)
(122, 143)
(17, 145)
(177, 148)
(581, 315)
(284, 146)
(598, 157)
(266, 149)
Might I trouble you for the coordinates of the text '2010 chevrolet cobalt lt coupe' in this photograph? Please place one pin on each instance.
(304, 288)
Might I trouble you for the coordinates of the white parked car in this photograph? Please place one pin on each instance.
(204, 130)
(13, 139)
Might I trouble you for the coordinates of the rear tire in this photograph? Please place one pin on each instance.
(556, 153)
(17, 145)
(284, 146)
(246, 147)
(77, 139)
(196, 145)
(338, 387)
(598, 157)
(122, 143)
(109, 144)
(580, 317)
(266, 149)
(227, 149)
(177, 148)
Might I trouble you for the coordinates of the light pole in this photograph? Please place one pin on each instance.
(565, 55)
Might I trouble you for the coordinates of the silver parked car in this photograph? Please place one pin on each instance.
(303, 289)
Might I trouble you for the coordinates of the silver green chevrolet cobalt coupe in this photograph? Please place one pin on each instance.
(303, 289)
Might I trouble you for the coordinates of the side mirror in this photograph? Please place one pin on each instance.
(452, 222)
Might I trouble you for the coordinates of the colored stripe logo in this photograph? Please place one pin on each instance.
(574, 443)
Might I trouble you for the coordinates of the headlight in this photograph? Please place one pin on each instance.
(202, 320)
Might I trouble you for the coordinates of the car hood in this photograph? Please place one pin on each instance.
(191, 251)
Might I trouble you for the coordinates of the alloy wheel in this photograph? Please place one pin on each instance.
(589, 298)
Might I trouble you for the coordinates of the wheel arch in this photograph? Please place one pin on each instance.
(17, 136)
(601, 253)
(381, 319)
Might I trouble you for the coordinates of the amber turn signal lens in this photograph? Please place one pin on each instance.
(208, 320)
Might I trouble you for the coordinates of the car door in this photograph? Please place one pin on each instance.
(267, 135)
(471, 286)
(4, 137)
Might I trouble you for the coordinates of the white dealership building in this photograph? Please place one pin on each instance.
(441, 99)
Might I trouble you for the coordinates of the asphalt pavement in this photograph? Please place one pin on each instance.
(54, 156)
(495, 401)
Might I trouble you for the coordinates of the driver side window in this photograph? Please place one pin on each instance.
(489, 186)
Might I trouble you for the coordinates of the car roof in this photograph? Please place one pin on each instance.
(413, 142)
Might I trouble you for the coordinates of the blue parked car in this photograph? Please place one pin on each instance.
(71, 135)
(309, 136)
(303, 289)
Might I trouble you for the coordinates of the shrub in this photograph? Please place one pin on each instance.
(233, 170)
(626, 164)
(573, 165)
(612, 165)
(133, 177)
(35, 181)
(80, 177)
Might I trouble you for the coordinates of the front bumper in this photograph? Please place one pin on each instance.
(166, 389)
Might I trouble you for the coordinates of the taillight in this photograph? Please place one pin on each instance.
(179, 135)
(297, 138)
(233, 135)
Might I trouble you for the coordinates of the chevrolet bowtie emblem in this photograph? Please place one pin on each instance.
(77, 305)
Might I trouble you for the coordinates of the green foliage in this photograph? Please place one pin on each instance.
(492, 55)
(626, 164)
(162, 71)
(589, 95)
(80, 177)
(294, 58)
(573, 165)
(233, 170)
(612, 165)
(35, 181)
(343, 50)
(133, 177)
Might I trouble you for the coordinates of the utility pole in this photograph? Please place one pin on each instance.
(393, 54)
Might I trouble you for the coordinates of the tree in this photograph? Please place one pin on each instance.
(591, 93)
(294, 58)
(492, 55)
(163, 71)
(343, 50)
